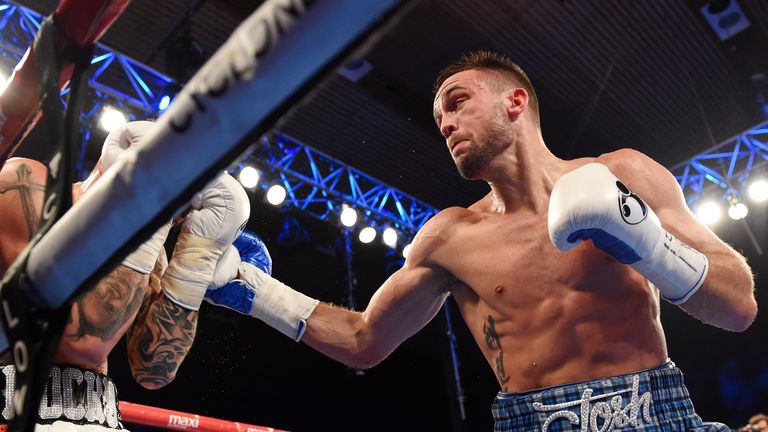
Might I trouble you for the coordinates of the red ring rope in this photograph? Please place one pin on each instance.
(176, 420)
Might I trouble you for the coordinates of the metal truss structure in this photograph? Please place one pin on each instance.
(316, 183)
(724, 169)
(320, 185)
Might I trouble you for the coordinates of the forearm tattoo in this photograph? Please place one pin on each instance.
(25, 187)
(493, 342)
(160, 339)
(102, 311)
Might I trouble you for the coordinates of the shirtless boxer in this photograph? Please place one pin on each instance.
(570, 329)
(156, 310)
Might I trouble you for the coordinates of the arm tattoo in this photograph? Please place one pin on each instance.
(25, 187)
(105, 309)
(494, 342)
(160, 340)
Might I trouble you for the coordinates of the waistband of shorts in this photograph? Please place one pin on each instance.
(667, 365)
(658, 385)
(71, 394)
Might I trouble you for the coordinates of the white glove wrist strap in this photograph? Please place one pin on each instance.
(277, 304)
(190, 270)
(676, 269)
(144, 258)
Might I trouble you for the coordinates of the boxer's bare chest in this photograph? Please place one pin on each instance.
(522, 299)
(511, 259)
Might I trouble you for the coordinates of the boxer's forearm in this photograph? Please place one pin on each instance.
(726, 299)
(160, 340)
(342, 335)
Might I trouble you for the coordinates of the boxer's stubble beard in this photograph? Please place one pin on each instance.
(489, 141)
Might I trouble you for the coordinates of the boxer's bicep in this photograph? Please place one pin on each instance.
(406, 302)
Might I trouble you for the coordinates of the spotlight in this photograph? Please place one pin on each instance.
(406, 250)
(276, 194)
(758, 190)
(737, 210)
(709, 212)
(367, 234)
(3, 82)
(348, 216)
(111, 119)
(164, 102)
(249, 177)
(390, 237)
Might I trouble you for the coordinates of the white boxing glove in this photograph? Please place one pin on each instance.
(219, 213)
(591, 203)
(226, 268)
(129, 137)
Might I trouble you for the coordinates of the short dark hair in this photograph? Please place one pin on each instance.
(489, 60)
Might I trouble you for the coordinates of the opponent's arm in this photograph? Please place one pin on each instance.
(726, 298)
(163, 333)
(636, 212)
(404, 304)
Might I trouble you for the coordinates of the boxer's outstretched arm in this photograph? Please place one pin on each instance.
(726, 298)
(161, 335)
(405, 303)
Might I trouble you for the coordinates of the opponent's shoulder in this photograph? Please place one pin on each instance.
(16, 167)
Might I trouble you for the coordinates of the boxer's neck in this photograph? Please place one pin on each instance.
(521, 178)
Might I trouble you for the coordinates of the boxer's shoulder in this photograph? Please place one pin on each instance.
(441, 231)
(639, 172)
(627, 162)
(450, 219)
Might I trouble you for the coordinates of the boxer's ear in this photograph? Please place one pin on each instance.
(517, 99)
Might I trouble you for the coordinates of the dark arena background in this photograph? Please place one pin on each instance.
(684, 81)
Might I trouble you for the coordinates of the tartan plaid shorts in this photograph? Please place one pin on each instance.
(651, 400)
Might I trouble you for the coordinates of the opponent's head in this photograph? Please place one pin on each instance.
(480, 101)
(758, 422)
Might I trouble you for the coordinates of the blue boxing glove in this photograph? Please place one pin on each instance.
(225, 289)
(242, 282)
(253, 250)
